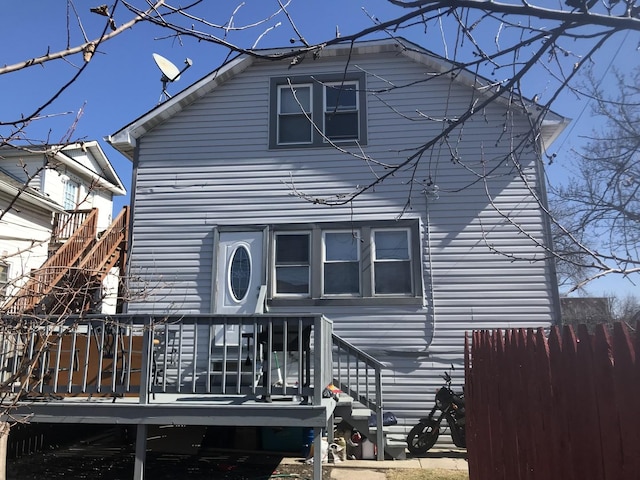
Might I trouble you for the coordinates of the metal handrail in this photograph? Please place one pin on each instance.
(360, 375)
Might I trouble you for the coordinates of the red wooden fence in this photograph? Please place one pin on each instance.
(556, 406)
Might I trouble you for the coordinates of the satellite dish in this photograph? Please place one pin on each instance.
(170, 73)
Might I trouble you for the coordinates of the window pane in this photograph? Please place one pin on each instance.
(240, 273)
(392, 277)
(337, 98)
(70, 195)
(341, 125)
(294, 129)
(292, 248)
(391, 245)
(288, 102)
(340, 246)
(292, 263)
(342, 277)
(292, 279)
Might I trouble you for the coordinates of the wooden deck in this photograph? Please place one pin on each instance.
(186, 370)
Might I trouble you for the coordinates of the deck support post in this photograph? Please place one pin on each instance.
(317, 453)
(141, 452)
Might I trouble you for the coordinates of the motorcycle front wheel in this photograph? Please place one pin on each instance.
(422, 437)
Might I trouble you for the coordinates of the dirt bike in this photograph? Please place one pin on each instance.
(448, 406)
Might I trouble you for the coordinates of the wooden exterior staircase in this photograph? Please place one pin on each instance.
(68, 280)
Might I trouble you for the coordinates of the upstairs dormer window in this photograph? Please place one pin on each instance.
(316, 111)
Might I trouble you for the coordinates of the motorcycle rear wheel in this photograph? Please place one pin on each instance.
(422, 437)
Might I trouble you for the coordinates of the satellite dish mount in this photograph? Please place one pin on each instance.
(170, 73)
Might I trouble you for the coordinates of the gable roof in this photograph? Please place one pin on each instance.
(106, 176)
(124, 140)
(12, 186)
(85, 159)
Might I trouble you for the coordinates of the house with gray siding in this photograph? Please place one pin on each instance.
(236, 205)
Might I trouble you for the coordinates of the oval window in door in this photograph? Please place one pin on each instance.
(240, 273)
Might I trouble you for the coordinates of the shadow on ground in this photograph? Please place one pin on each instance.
(107, 457)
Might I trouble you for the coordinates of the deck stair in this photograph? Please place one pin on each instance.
(359, 377)
(357, 416)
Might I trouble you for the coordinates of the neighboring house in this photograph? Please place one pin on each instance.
(227, 170)
(589, 311)
(46, 193)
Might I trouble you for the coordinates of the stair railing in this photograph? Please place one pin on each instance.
(102, 257)
(360, 375)
(43, 280)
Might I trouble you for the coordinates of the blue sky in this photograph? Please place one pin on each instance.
(122, 81)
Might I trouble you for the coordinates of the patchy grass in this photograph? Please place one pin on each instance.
(426, 474)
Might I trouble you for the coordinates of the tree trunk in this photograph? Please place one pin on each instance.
(4, 439)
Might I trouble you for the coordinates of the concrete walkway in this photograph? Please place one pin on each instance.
(371, 469)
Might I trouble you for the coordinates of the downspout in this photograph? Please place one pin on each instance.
(431, 192)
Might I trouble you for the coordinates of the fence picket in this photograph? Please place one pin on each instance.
(629, 417)
(610, 441)
(561, 411)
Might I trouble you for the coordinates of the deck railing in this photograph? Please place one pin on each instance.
(65, 224)
(142, 355)
(102, 254)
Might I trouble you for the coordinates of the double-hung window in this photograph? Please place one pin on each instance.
(292, 263)
(341, 263)
(341, 113)
(294, 112)
(391, 261)
(315, 111)
(355, 262)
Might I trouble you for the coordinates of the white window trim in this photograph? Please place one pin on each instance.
(308, 115)
(374, 260)
(367, 297)
(68, 183)
(357, 110)
(274, 286)
(318, 82)
(4, 284)
(325, 261)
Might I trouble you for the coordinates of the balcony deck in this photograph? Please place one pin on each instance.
(185, 370)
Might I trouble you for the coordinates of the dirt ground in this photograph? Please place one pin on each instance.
(305, 472)
(108, 457)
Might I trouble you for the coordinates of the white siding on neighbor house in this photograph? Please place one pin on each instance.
(24, 240)
(23, 166)
(51, 182)
(209, 165)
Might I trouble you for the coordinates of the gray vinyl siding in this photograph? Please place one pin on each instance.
(209, 165)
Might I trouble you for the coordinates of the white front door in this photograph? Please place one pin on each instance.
(239, 272)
